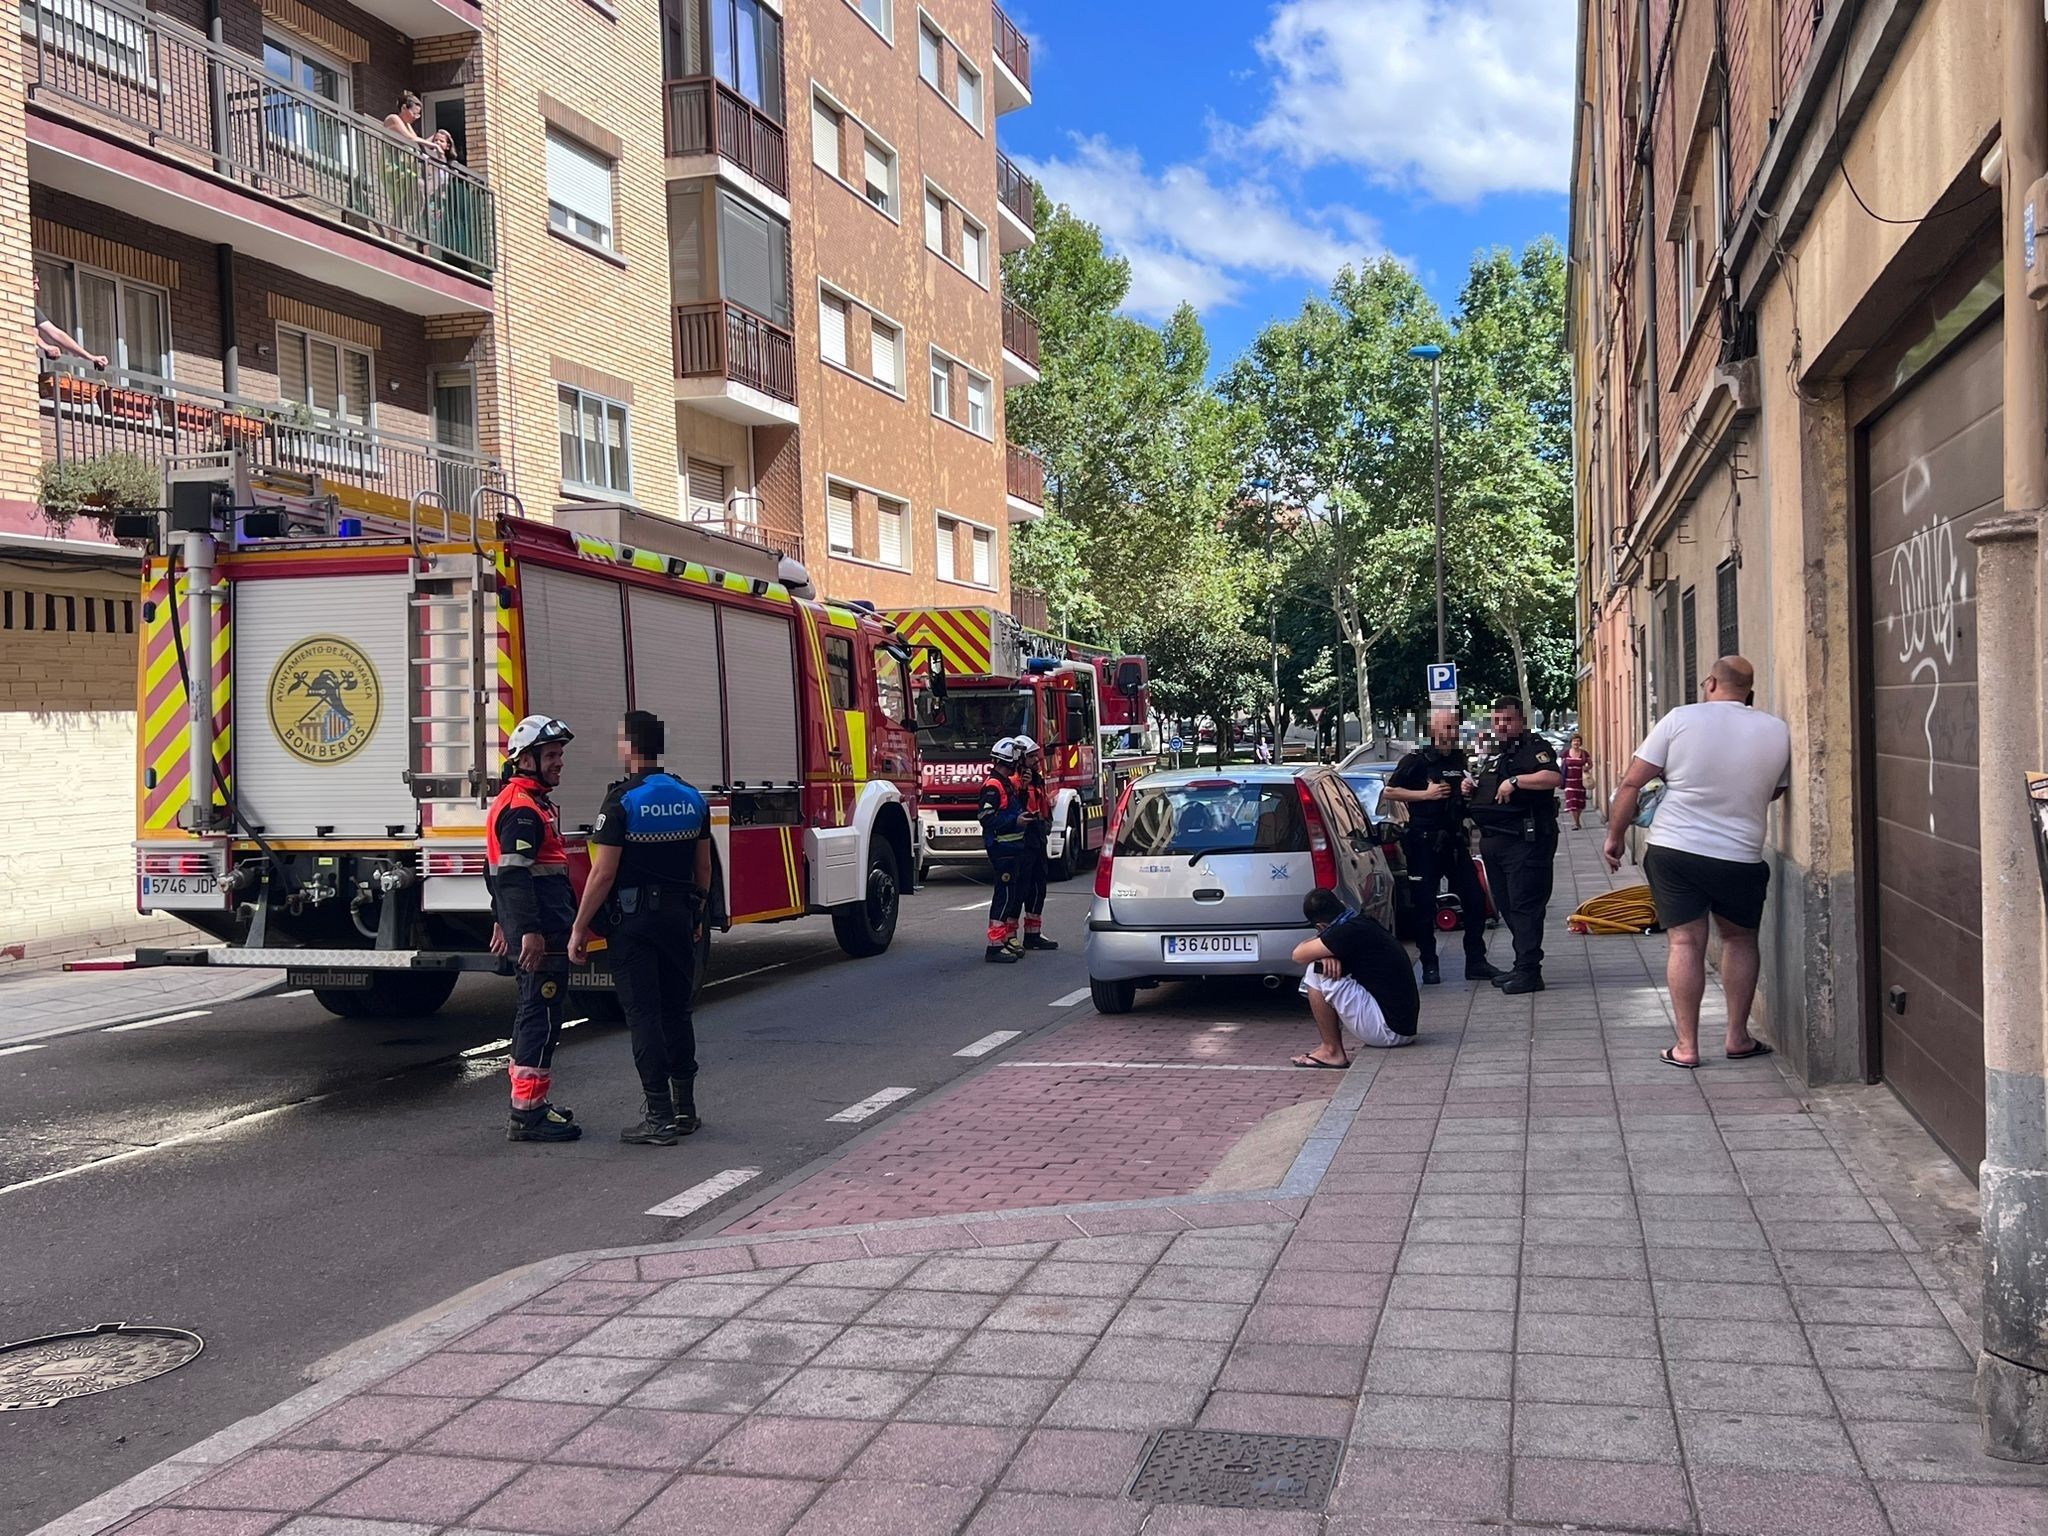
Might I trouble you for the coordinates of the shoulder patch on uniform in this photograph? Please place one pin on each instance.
(598, 825)
(521, 845)
(1546, 757)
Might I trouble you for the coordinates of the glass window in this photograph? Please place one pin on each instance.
(839, 681)
(753, 259)
(885, 348)
(298, 126)
(942, 387)
(934, 222)
(689, 278)
(967, 92)
(880, 15)
(579, 190)
(324, 375)
(929, 44)
(984, 550)
(880, 163)
(976, 721)
(102, 36)
(129, 322)
(1212, 816)
(825, 121)
(832, 328)
(746, 51)
(977, 405)
(892, 686)
(974, 250)
(594, 440)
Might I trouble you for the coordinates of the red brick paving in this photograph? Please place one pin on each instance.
(1057, 1135)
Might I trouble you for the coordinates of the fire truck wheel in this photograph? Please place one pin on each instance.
(392, 996)
(1068, 864)
(342, 1004)
(1112, 996)
(865, 927)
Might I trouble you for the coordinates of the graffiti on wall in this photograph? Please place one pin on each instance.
(1927, 585)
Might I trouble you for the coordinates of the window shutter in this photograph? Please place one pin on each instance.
(977, 406)
(883, 347)
(839, 518)
(881, 177)
(707, 491)
(889, 533)
(824, 137)
(934, 224)
(945, 550)
(746, 255)
(970, 250)
(982, 550)
(580, 180)
(357, 395)
(686, 245)
(968, 95)
(832, 328)
(1690, 623)
(291, 367)
(1728, 635)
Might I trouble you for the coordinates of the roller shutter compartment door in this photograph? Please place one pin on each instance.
(675, 676)
(760, 679)
(1932, 472)
(576, 671)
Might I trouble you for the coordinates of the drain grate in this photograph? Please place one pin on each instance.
(41, 1373)
(1233, 1471)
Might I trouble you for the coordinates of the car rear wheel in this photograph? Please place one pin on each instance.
(865, 927)
(1068, 864)
(1112, 996)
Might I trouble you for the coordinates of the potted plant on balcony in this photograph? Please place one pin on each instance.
(239, 427)
(129, 404)
(189, 415)
(69, 388)
(98, 487)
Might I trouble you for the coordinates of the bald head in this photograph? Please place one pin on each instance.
(1733, 678)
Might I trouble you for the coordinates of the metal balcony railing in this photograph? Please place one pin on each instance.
(708, 117)
(1013, 48)
(746, 520)
(1025, 472)
(93, 414)
(1013, 188)
(1020, 332)
(721, 340)
(103, 63)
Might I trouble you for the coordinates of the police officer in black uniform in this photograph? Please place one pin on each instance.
(650, 865)
(1431, 783)
(1515, 806)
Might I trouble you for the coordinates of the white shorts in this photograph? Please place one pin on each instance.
(1358, 1012)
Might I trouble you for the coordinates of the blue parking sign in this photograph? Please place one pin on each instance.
(1443, 676)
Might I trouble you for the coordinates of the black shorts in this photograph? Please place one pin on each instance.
(1687, 886)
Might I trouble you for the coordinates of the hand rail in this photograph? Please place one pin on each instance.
(706, 116)
(717, 339)
(1013, 190)
(1012, 47)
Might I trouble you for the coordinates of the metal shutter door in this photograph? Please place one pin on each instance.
(576, 670)
(707, 492)
(675, 675)
(760, 679)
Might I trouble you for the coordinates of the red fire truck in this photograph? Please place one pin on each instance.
(1086, 707)
(328, 685)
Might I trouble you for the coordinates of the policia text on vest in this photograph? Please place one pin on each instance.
(650, 882)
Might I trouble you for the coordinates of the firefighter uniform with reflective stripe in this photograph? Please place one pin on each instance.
(1035, 870)
(1004, 835)
(531, 893)
(656, 821)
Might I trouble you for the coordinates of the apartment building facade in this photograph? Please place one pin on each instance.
(632, 271)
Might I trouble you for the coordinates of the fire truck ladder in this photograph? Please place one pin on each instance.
(450, 687)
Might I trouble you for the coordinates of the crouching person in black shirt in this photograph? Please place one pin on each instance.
(1360, 983)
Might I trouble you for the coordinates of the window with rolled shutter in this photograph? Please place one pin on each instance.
(889, 532)
(971, 251)
(824, 136)
(885, 349)
(832, 328)
(934, 223)
(579, 189)
(881, 177)
(707, 491)
(839, 518)
(1728, 624)
(948, 533)
(686, 264)
(984, 550)
(1690, 624)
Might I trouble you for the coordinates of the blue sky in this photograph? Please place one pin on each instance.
(1239, 151)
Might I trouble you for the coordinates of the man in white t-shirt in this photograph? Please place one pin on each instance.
(1722, 764)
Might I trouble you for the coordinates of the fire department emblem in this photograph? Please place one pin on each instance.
(324, 700)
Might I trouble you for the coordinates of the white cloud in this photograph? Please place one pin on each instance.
(1454, 98)
(1190, 238)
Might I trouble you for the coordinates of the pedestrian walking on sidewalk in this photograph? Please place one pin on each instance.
(1038, 807)
(1575, 761)
(1005, 829)
(535, 906)
(650, 871)
(1431, 782)
(1722, 763)
(1514, 803)
(1360, 986)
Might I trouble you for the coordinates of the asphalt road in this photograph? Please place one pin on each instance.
(294, 1182)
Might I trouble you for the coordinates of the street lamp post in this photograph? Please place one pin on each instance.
(1433, 355)
(1272, 616)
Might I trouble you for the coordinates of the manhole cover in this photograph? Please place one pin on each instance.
(1231, 1471)
(41, 1373)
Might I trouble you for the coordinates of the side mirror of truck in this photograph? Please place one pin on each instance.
(1130, 677)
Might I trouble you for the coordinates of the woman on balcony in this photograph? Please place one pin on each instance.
(400, 172)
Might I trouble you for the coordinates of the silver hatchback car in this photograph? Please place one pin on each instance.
(1203, 871)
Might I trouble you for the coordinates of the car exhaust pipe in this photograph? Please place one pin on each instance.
(1272, 983)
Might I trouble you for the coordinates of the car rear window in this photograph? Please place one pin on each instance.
(1213, 817)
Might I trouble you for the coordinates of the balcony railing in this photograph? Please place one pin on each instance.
(1013, 188)
(1026, 475)
(106, 63)
(721, 340)
(94, 414)
(708, 117)
(1020, 332)
(1029, 608)
(744, 520)
(1013, 48)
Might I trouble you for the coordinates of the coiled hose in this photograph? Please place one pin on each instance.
(1628, 910)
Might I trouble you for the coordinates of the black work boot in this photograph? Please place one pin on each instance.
(1002, 954)
(1481, 969)
(682, 1093)
(1522, 981)
(541, 1123)
(1431, 975)
(658, 1128)
(1038, 941)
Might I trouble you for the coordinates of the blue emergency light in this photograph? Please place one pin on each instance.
(1041, 664)
(349, 528)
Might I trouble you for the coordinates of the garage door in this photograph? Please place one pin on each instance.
(1933, 463)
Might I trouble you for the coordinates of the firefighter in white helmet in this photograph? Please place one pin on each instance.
(535, 906)
(1038, 810)
(1004, 832)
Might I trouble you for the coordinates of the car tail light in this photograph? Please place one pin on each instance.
(453, 861)
(175, 862)
(1321, 855)
(1104, 859)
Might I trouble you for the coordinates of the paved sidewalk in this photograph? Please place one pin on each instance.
(1527, 1276)
(39, 1004)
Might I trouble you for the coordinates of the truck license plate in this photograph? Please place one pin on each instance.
(959, 829)
(181, 892)
(1211, 946)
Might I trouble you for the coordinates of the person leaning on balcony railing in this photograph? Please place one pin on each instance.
(401, 174)
(53, 341)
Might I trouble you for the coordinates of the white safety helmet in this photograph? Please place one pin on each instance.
(535, 731)
(1006, 753)
(1025, 745)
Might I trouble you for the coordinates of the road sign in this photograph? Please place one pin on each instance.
(1442, 676)
(1177, 745)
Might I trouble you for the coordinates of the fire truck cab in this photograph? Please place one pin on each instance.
(328, 684)
(1085, 706)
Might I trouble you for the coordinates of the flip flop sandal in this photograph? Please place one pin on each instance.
(1669, 1056)
(1756, 1048)
(1306, 1060)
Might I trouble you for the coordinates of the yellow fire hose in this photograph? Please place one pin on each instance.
(1628, 910)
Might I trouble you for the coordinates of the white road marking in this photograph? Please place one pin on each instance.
(697, 1196)
(486, 1048)
(569, 1023)
(1164, 1066)
(870, 1105)
(761, 970)
(165, 1145)
(302, 992)
(972, 906)
(1070, 999)
(168, 1018)
(988, 1043)
(16, 1050)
